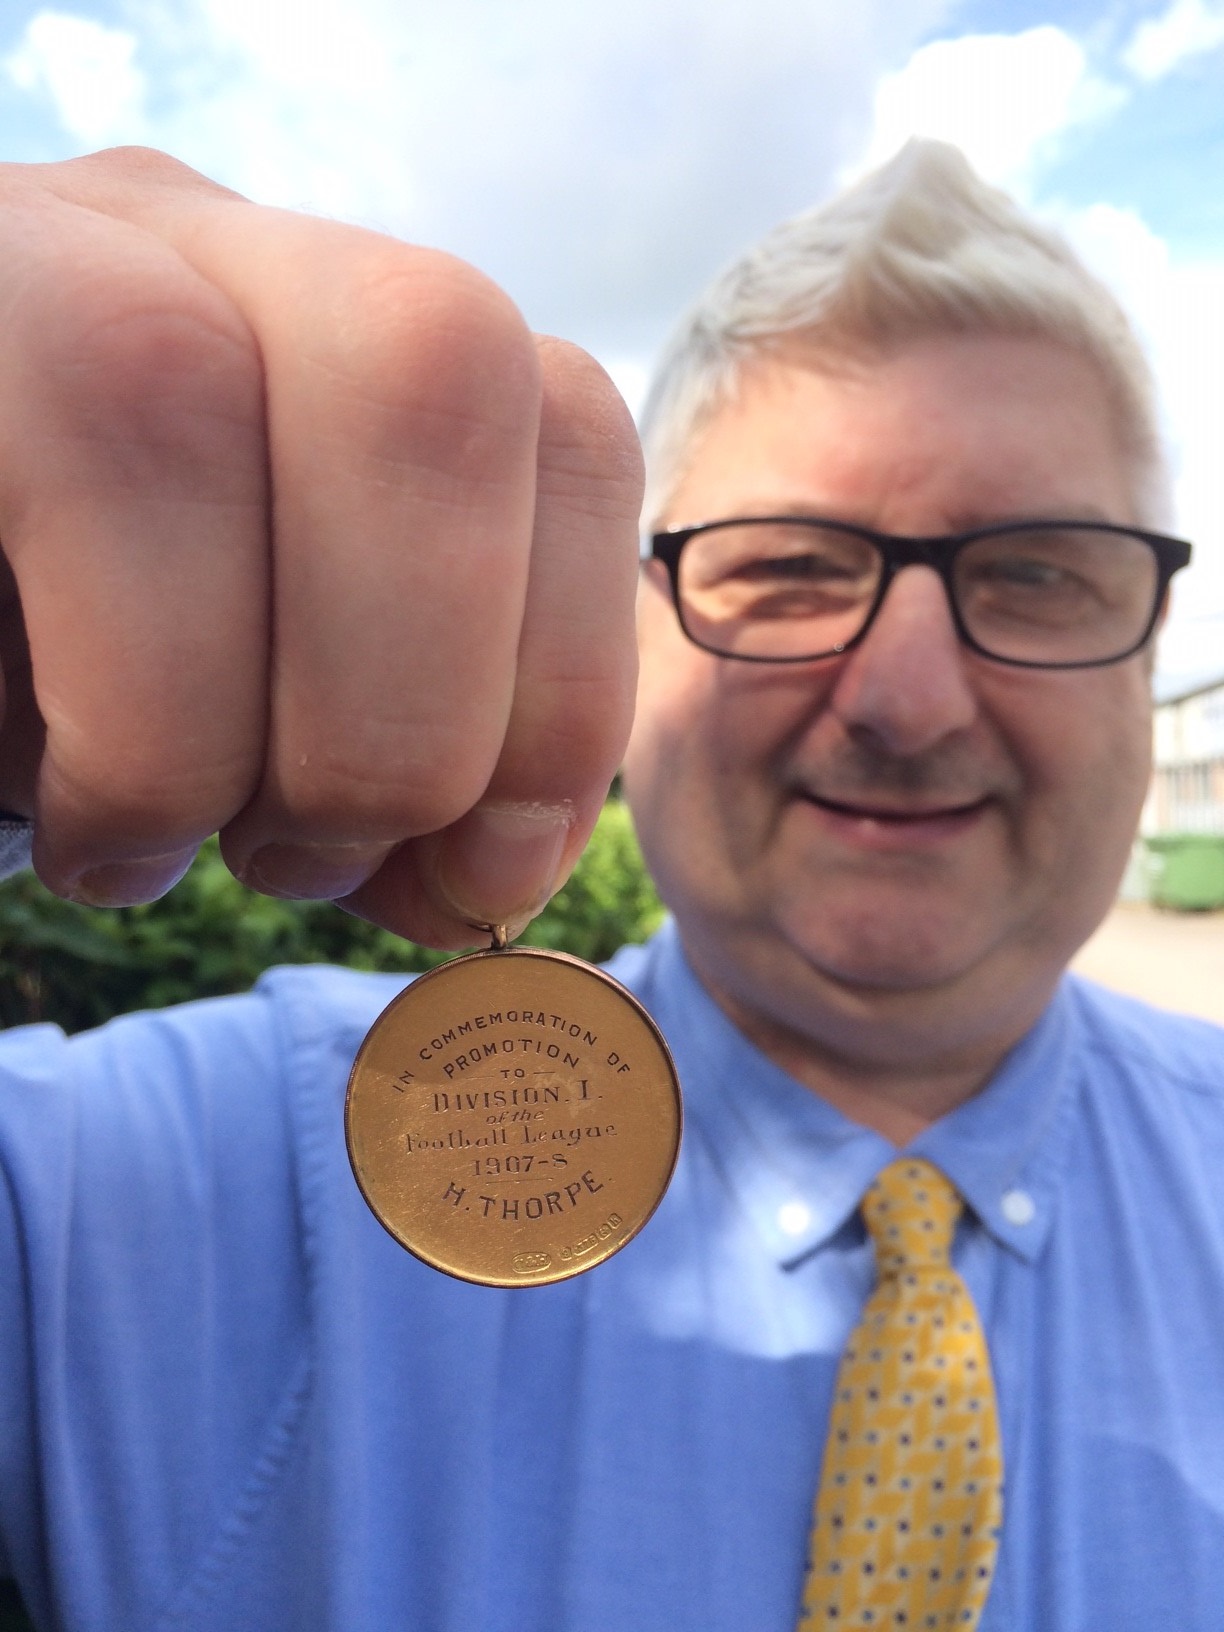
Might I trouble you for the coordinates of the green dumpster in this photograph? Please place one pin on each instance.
(1187, 870)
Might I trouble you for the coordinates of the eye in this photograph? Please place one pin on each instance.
(1022, 572)
(811, 568)
(777, 554)
(1055, 564)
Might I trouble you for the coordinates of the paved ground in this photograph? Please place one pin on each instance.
(1175, 959)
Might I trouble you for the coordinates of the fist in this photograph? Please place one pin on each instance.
(307, 541)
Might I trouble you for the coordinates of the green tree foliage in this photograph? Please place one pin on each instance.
(78, 966)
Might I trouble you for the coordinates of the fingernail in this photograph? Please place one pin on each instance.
(130, 883)
(313, 872)
(499, 865)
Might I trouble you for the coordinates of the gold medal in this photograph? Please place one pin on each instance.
(513, 1117)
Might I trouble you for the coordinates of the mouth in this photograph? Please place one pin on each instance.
(882, 826)
(897, 815)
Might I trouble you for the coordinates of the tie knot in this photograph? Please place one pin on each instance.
(910, 1211)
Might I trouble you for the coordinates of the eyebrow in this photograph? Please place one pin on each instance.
(966, 522)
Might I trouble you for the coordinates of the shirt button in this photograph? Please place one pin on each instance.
(793, 1218)
(1019, 1207)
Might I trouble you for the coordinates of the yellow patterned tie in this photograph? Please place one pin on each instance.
(911, 1493)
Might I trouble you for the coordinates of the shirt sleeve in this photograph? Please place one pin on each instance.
(151, 1295)
(16, 841)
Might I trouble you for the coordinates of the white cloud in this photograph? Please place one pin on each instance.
(600, 162)
(1189, 28)
(1002, 98)
(1178, 308)
(88, 72)
(1006, 100)
(631, 377)
(603, 161)
(313, 45)
(1189, 359)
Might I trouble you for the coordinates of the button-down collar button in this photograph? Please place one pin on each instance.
(793, 1218)
(1018, 1207)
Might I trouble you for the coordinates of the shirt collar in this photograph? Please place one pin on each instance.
(798, 1167)
(1005, 1149)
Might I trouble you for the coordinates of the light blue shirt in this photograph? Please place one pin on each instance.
(228, 1400)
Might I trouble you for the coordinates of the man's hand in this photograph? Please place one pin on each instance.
(308, 542)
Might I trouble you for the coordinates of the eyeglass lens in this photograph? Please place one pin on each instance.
(792, 590)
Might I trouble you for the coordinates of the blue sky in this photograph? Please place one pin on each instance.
(602, 162)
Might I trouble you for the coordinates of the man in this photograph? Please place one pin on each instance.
(890, 746)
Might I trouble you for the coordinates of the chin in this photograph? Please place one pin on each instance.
(865, 970)
(888, 952)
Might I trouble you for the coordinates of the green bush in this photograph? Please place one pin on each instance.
(78, 966)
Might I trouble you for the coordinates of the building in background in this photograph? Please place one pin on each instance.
(1187, 791)
(1178, 858)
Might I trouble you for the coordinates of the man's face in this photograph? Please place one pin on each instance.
(897, 849)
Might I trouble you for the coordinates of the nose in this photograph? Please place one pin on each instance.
(905, 688)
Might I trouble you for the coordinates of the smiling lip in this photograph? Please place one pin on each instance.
(880, 827)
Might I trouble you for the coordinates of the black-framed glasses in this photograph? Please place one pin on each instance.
(1038, 594)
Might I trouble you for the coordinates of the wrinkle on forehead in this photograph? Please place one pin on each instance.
(917, 463)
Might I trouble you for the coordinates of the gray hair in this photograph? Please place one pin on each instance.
(920, 247)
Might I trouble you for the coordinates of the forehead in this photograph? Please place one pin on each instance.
(940, 435)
